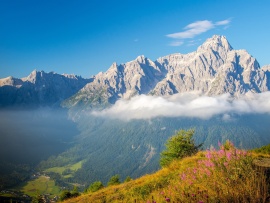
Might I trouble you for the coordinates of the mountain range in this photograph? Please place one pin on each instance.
(214, 68)
(39, 89)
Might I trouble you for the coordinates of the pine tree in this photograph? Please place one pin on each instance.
(114, 180)
(179, 146)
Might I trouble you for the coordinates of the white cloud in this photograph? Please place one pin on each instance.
(186, 105)
(223, 22)
(193, 29)
(176, 43)
(197, 28)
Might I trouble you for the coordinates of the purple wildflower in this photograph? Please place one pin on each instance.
(168, 199)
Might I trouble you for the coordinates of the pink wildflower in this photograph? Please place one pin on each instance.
(229, 156)
(183, 176)
(194, 170)
(221, 152)
(208, 154)
(209, 163)
(219, 144)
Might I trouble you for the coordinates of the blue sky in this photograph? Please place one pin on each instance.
(86, 37)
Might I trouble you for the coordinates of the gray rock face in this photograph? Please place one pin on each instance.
(119, 81)
(39, 89)
(215, 68)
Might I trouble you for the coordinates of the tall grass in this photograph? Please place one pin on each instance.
(224, 175)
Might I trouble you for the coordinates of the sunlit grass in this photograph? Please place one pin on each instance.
(73, 168)
(41, 185)
(224, 175)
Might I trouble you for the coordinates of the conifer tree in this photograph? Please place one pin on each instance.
(179, 146)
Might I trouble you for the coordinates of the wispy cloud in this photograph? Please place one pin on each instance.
(186, 105)
(176, 43)
(193, 42)
(197, 28)
(223, 22)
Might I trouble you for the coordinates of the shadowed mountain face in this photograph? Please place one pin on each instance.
(39, 89)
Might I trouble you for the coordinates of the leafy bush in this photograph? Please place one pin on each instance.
(114, 180)
(179, 146)
(128, 179)
(66, 194)
(95, 186)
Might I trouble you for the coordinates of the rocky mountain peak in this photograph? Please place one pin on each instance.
(141, 59)
(217, 43)
(113, 67)
(266, 68)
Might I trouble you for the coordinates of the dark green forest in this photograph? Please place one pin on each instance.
(108, 147)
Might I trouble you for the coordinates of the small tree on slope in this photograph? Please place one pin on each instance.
(179, 146)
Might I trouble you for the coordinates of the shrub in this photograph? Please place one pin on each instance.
(95, 186)
(128, 179)
(114, 180)
(179, 146)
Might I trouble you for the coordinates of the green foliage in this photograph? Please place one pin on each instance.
(128, 179)
(114, 180)
(264, 149)
(37, 199)
(66, 194)
(179, 146)
(95, 186)
(75, 192)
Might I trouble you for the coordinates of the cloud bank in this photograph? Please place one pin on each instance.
(191, 105)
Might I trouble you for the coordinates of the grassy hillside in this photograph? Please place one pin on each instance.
(41, 185)
(224, 175)
(263, 150)
(65, 171)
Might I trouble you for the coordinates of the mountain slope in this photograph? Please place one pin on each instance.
(119, 81)
(206, 177)
(39, 89)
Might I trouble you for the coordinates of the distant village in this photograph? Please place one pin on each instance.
(7, 196)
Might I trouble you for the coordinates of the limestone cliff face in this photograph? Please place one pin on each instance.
(215, 68)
